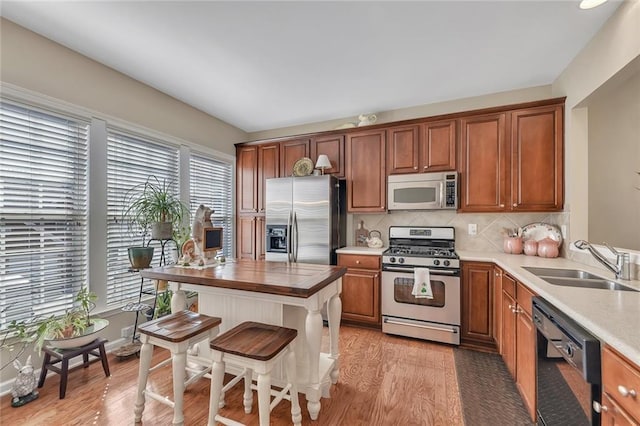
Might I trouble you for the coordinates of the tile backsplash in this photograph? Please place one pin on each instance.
(489, 225)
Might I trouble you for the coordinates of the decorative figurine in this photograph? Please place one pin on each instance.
(23, 390)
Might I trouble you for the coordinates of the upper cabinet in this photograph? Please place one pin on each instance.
(333, 147)
(365, 171)
(537, 159)
(290, 152)
(428, 147)
(483, 163)
(268, 167)
(512, 161)
(247, 178)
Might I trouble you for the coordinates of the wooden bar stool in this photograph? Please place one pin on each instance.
(175, 332)
(256, 347)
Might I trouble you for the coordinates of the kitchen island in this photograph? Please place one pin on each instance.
(279, 293)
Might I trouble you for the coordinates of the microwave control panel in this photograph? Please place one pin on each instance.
(451, 190)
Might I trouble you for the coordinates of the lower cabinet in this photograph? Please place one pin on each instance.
(620, 387)
(518, 339)
(477, 306)
(361, 289)
(251, 237)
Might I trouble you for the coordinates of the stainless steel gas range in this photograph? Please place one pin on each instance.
(413, 252)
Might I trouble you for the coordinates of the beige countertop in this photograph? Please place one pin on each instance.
(361, 250)
(612, 316)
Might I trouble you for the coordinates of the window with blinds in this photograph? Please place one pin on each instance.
(210, 184)
(130, 162)
(43, 212)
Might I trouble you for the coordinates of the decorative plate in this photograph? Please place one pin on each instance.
(539, 231)
(303, 167)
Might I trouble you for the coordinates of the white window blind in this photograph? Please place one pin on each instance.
(130, 162)
(211, 185)
(43, 211)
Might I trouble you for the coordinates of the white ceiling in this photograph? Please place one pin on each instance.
(264, 65)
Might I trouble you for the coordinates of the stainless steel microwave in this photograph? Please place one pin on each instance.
(423, 191)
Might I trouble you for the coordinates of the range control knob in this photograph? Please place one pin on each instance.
(436, 262)
(392, 260)
(446, 263)
(401, 260)
(569, 350)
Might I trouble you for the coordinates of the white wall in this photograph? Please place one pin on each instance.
(615, 46)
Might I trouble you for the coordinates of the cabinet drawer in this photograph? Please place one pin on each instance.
(509, 285)
(362, 261)
(620, 377)
(523, 296)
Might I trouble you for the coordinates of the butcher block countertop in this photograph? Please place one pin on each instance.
(281, 278)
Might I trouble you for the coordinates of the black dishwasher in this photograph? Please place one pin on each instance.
(568, 369)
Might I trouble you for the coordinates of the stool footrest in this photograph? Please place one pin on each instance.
(163, 399)
(227, 421)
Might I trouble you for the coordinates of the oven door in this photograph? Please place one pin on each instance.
(435, 319)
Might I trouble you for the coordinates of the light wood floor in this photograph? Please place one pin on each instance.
(384, 380)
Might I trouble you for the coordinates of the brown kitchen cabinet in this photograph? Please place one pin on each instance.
(365, 172)
(268, 167)
(333, 147)
(537, 159)
(251, 237)
(512, 161)
(518, 339)
(497, 307)
(247, 179)
(290, 152)
(477, 306)
(620, 387)
(428, 147)
(361, 289)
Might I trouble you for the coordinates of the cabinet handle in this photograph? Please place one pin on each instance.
(425, 167)
(415, 168)
(625, 392)
(501, 205)
(357, 262)
(599, 408)
(515, 204)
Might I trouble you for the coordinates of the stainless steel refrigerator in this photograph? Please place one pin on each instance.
(305, 219)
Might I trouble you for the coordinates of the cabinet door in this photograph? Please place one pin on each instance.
(247, 166)
(477, 301)
(290, 152)
(366, 177)
(508, 336)
(268, 167)
(497, 307)
(537, 159)
(484, 175)
(261, 235)
(361, 296)
(526, 360)
(438, 146)
(613, 415)
(403, 149)
(246, 239)
(333, 147)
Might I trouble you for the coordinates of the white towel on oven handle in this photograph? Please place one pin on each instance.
(422, 283)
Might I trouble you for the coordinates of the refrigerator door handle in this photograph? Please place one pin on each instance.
(289, 238)
(295, 245)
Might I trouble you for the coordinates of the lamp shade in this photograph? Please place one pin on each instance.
(323, 162)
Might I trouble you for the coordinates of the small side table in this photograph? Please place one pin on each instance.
(95, 348)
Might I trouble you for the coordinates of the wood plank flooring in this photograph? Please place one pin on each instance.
(384, 380)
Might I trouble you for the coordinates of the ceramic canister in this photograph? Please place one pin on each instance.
(513, 245)
(531, 247)
(548, 248)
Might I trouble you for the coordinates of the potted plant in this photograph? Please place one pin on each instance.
(74, 328)
(152, 205)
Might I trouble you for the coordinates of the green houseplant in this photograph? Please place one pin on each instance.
(153, 206)
(76, 327)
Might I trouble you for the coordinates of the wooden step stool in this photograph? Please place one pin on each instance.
(62, 356)
(175, 332)
(256, 347)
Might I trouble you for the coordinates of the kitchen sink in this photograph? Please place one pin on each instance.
(562, 273)
(576, 278)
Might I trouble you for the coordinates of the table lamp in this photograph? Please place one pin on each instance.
(323, 163)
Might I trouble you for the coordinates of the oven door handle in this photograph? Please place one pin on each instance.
(410, 271)
(428, 327)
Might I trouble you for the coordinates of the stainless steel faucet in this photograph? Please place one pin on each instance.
(622, 267)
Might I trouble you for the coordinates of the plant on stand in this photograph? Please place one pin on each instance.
(153, 206)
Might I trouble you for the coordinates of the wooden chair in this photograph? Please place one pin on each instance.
(175, 332)
(256, 347)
